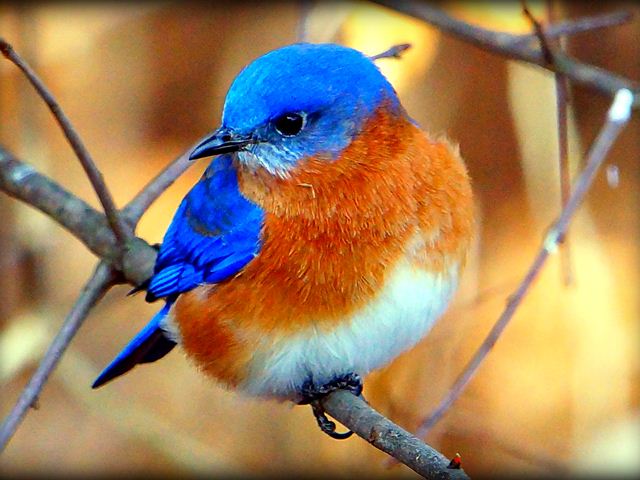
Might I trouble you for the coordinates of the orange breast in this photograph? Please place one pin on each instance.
(332, 231)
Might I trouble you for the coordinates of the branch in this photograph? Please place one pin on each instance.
(517, 47)
(21, 181)
(101, 280)
(562, 101)
(617, 117)
(580, 25)
(121, 231)
(394, 52)
(360, 418)
(91, 227)
(540, 34)
(143, 200)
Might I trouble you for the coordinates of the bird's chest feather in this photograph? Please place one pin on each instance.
(391, 320)
(333, 307)
(359, 257)
(307, 280)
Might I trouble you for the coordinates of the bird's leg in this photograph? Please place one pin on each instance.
(312, 394)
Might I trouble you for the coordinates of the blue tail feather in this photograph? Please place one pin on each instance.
(149, 345)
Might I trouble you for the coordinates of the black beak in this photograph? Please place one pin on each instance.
(222, 140)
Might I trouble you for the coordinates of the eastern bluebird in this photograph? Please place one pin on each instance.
(324, 240)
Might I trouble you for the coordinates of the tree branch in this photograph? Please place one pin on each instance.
(515, 47)
(101, 280)
(21, 181)
(143, 200)
(121, 231)
(580, 25)
(367, 423)
(617, 117)
(539, 32)
(562, 121)
(394, 52)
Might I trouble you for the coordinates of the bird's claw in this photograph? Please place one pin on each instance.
(326, 425)
(351, 382)
(312, 394)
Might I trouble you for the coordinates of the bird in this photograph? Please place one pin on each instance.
(325, 238)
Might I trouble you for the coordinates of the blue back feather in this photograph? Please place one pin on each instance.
(214, 234)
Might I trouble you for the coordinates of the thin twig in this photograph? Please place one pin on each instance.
(344, 412)
(305, 9)
(354, 413)
(149, 194)
(120, 230)
(560, 81)
(617, 118)
(512, 46)
(545, 46)
(562, 101)
(394, 52)
(581, 25)
(21, 181)
(98, 284)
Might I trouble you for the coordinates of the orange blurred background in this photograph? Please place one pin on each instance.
(141, 82)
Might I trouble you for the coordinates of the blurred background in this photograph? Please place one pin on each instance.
(559, 393)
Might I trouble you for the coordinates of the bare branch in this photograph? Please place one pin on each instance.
(394, 52)
(359, 417)
(20, 180)
(545, 46)
(617, 118)
(561, 87)
(562, 100)
(580, 25)
(512, 46)
(149, 194)
(305, 9)
(121, 231)
(101, 280)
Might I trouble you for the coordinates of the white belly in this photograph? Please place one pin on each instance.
(394, 321)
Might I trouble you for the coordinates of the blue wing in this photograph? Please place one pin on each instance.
(214, 234)
(148, 345)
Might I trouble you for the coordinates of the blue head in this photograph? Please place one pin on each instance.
(295, 102)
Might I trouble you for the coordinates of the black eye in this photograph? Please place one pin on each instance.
(289, 124)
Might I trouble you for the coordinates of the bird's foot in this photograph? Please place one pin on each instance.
(312, 394)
